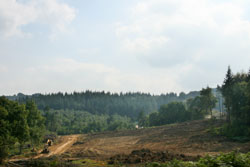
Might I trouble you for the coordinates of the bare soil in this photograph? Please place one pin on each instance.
(64, 143)
(146, 155)
(184, 141)
(189, 139)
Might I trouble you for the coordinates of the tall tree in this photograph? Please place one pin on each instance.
(248, 97)
(142, 119)
(153, 119)
(18, 123)
(236, 90)
(173, 112)
(14, 125)
(226, 90)
(208, 100)
(195, 108)
(18, 120)
(35, 122)
(6, 140)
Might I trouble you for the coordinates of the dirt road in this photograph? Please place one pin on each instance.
(65, 142)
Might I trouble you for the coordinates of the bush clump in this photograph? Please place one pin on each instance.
(232, 159)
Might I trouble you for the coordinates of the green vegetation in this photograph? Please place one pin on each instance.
(91, 163)
(77, 122)
(192, 109)
(105, 103)
(236, 92)
(232, 159)
(99, 111)
(171, 113)
(207, 100)
(49, 162)
(19, 124)
(60, 162)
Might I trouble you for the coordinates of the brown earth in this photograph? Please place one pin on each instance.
(146, 155)
(184, 141)
(189, 139)
(64, 143)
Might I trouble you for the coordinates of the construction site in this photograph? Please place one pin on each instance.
(185, 141)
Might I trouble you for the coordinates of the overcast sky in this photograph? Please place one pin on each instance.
(155, 46)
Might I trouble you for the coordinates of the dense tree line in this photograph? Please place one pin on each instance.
(191, 109)
(76, 122)
(236, 92)
(124, 104)
(20, 123)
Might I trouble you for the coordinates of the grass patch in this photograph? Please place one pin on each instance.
(91, 163)
(232, 159)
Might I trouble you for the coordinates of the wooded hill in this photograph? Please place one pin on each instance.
(124, 104)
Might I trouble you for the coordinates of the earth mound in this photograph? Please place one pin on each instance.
(146, 155)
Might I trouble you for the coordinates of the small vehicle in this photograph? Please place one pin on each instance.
(49, 142)
(45, 150)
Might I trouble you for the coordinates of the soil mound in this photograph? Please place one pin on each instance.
(146, 155)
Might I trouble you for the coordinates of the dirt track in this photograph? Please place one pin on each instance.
(65, 142)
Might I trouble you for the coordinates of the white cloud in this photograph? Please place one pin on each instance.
(188, 28)
(161, 46)
(14, 15)
(98, 77)
(88, 52)
(144, 45)
(70, 66)
(3, 68)
(201, 36)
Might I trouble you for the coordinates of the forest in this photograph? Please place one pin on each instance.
(124, 104)
(89, 111)
(20, 123)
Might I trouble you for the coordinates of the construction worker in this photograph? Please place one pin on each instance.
(49, 142)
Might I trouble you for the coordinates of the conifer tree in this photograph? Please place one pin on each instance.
(226, 91)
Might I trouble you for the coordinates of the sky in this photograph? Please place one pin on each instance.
(152, 46)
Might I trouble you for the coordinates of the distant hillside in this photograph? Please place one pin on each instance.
(129, 104)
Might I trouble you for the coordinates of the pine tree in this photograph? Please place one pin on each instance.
(226, 91)
(248, 96)
(35, 122)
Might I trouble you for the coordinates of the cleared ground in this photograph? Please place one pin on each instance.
(186, 141)
(190, 138)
